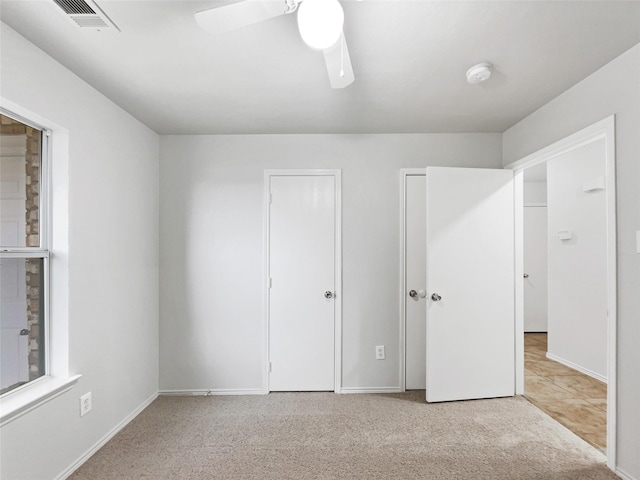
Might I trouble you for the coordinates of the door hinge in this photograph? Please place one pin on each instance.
(270, 198)
(270, 367)
(270, 282)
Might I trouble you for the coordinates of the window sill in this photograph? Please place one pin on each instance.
(15, 404)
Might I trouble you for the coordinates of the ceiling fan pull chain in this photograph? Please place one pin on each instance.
(342, 55)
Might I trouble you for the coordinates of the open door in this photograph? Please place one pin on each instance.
(470, 284)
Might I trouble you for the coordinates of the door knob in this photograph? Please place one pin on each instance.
(526, 275)
(328, 294)
(413, 293)
(435, 297)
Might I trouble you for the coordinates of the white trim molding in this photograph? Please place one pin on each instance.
(33, 394)
(337, 174)
(624, 475)
(349, 390)
(574, 366)
(206, 392)
(604, 129)
(518, 292)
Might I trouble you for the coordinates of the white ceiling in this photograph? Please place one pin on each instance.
(409, 59)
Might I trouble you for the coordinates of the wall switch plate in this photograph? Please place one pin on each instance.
(85, 404)
(565, 235)
(380, 352)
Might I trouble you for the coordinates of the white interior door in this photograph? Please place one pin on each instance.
(415, 281)
(302, 250)
(470, 284)
(535, 269)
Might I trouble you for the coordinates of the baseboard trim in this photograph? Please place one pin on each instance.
(89, 453)
(624, 475)
(569, 364)
(370, 390)
(213, 391)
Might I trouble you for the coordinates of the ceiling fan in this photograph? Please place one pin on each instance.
(320, 24)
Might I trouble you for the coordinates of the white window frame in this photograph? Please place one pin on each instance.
(56, 379)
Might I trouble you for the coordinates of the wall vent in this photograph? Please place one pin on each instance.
(86, 14)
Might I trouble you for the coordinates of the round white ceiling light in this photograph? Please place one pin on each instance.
(479, 73)
(320, 22)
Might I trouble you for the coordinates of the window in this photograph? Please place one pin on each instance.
(24, 254)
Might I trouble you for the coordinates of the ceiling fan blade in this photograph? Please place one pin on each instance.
(339, 64)
(238, 15)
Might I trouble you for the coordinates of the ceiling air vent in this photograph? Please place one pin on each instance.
(86, 14)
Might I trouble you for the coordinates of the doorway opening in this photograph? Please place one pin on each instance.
(566, 322)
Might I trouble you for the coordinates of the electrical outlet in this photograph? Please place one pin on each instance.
(85, 404)
(380, 352)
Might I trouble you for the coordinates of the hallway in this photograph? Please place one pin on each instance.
(577, 401)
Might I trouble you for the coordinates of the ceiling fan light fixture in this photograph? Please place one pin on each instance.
(320, 22)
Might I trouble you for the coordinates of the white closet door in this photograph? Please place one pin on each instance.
(535, 269)
(302, 270)
(470, 284)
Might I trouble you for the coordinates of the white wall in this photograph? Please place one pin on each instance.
(614, 89)
(535, 192)
(577, 299)
(112, 187)
(211, 249)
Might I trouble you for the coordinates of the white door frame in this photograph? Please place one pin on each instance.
(337, 174)
(404, 173)
(604, 129)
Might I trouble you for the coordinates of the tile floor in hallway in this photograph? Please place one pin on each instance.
(577, 401)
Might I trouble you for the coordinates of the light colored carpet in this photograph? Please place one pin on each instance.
(327, 436)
